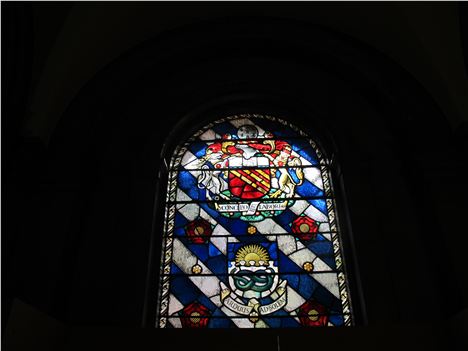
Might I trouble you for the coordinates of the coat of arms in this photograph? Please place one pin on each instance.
(253, 276)
(250, 175)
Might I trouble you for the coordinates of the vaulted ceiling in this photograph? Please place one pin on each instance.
(72, 43)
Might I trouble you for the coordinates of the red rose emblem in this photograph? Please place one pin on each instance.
(312, 314)
(305, 228)
(198, 231)
(195, 315)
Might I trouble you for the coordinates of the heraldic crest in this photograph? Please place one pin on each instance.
(250, 176)
(253, 276)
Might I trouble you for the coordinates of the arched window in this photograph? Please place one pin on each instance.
(251, 238)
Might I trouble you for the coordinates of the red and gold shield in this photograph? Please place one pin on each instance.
(249, 183)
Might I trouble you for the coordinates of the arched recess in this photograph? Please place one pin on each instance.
(250, 200)
(380, 124)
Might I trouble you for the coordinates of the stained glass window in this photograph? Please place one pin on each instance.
(251, 238)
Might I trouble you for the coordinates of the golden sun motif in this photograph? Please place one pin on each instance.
(252, 255)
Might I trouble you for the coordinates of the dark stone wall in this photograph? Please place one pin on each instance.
(86, 231)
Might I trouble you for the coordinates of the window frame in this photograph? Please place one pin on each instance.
(261, 105)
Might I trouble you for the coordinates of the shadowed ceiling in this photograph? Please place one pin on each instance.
(424, 40)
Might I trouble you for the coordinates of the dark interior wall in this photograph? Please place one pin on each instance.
(85, 226)
(112, 141)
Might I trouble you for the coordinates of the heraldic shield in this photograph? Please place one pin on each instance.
(249, 183)
(246, 174)
(254, 289)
